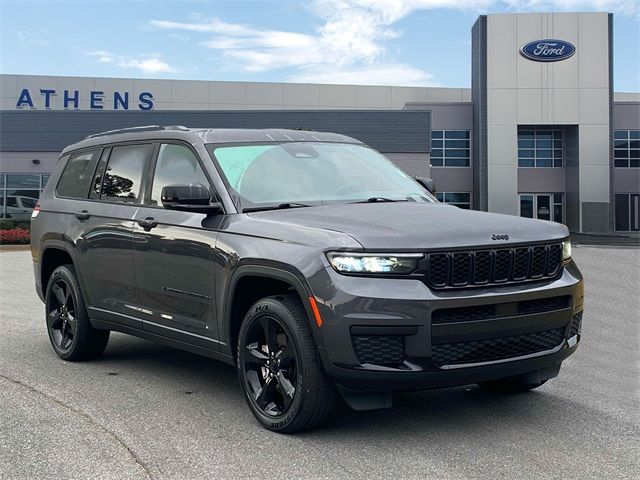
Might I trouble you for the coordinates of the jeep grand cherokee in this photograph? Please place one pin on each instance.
(305, 259)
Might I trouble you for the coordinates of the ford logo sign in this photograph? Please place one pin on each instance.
(547, 50)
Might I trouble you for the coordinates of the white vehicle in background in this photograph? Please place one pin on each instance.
(19, 207)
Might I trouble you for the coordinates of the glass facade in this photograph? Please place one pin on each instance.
(19, 193)
(626, 148)
(540, 147)
(450, 148)
(458, 199)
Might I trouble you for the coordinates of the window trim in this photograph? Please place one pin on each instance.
(443, 148)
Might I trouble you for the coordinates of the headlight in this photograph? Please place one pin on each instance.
(344, 262)
(566, 251)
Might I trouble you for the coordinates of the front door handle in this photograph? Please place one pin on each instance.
(83, 215)
(148, 223)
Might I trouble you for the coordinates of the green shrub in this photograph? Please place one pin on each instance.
(8, 224)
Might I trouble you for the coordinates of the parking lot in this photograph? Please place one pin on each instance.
(148, 411)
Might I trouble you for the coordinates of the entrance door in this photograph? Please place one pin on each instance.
(543, 207)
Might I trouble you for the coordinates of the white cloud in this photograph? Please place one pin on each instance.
(150, 64)
(376, 74)
(350, 43)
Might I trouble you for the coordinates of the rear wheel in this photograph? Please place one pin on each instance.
(509, 386)
(280, 373)
(70, 332)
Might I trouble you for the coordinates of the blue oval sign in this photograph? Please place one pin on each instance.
(549, 50)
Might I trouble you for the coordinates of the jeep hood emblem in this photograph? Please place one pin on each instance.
(496, 236)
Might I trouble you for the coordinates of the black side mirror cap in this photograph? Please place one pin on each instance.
(193, 197)
(427, 183)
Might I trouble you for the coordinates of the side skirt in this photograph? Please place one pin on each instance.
(170, 342)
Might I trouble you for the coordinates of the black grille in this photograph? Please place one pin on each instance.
(529, 307)
(505, 265)
(574, 327)
(379, 349)
(463, 314)
(486, 312)
(496, 348)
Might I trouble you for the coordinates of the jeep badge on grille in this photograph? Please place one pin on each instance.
(499, 237)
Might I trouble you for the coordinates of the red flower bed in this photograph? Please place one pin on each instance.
(15, 236)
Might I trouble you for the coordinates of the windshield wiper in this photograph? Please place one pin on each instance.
(280, 206)
(379, 199)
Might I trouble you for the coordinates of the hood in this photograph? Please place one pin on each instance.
(415, 226)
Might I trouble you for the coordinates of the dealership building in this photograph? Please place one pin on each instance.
(540, 133)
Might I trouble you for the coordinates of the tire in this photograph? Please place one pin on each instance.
(509, 386)
(70, 332)
(275, 353)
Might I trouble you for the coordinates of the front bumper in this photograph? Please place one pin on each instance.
(412, 345)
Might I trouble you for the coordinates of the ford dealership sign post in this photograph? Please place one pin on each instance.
(547, 50)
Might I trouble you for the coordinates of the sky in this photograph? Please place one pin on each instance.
(379, 42)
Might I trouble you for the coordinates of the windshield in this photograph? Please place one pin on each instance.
(312, 173)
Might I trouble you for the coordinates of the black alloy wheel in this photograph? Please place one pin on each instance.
(70, 331)
(280, 372)
(61, 315)
(270, 366)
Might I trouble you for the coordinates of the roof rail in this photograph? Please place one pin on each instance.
(144, 128)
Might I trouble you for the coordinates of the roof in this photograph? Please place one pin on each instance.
(209, 135)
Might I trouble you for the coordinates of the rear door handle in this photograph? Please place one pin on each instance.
(148, 223)
(83, 215)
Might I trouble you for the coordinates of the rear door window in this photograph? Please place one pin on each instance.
(122, 180)
(77, 175)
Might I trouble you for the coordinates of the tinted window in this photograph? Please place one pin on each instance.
(123, 176)
(77, 175)
(176, 164)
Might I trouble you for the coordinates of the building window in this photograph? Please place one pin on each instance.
(458, 199)
(450, 148)
(626, 148)
(19, 193)
(627, 212)
(539, 147)
(543, 206)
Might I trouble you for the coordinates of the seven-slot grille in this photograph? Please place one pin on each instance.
(486, 267)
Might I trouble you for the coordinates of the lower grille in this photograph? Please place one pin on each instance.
(485, 312)
(379, 349)
(496, 348)
(574, 327)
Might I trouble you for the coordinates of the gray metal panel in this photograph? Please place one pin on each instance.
(611, 173)
(387, 131)
(626, 116)
(479, 97)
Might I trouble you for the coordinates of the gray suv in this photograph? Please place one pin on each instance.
(307, 260)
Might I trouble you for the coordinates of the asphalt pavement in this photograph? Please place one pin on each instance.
(148, 411)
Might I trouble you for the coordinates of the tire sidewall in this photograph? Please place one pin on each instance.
(268, 308)
(67, 275)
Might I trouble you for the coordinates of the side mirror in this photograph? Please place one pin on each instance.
(427, 183)
(192, 197)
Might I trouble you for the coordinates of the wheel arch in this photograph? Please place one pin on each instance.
(264, 281)
(55, 253)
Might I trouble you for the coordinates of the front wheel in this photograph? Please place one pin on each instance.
(280, 373)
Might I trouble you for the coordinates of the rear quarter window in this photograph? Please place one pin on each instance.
(78, 174)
